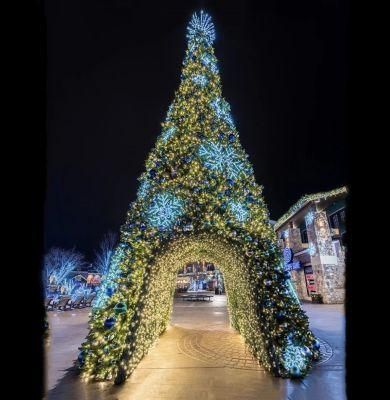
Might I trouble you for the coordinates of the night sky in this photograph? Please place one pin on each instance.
(113, 68)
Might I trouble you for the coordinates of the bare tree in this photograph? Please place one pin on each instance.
(58, 263)
(105, 252)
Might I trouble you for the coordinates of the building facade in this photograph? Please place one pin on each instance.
(312, 236)
(199, 276)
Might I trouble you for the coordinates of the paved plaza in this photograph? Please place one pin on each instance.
(199, 357)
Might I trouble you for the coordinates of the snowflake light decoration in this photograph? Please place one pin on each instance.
(200, 80)
(143, 189)
(223, 159)
(168, 133)
(309, 218)
(239, 210)
(312, 249)
(201, 28)
(294, 357)
(164, 210)
(208, 61)
(222, 109)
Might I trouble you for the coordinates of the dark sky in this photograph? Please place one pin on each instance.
(113, 67)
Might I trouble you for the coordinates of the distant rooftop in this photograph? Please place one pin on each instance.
(303, 201)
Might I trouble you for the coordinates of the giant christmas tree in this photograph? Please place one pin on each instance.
(197, 201)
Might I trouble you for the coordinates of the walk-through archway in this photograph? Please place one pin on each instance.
(197, 199)
(240, 289)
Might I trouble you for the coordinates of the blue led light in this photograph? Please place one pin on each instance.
(200, 80)
(168, 133)
(69, 285)
(164, 210)
(208, 61)
(309, 218)
(239, 210)
(312, 249)
(293, 291)
(143, 189)
(294, 357)
(169, 113)
(223, 159)
(213, 155)
(201, 28)
(110, 280)
(222, 109)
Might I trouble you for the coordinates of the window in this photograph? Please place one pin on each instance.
(337, 221)
(334, 221)
(304, 237)
(303, 232)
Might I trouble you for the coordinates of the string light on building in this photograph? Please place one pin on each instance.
(307, 199)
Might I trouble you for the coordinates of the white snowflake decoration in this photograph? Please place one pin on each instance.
(209, 62)
(294, 357)
(201, 28)
(222, 109)
(200, 80)
(143, 188)
(168, 133)
(239, 210)
(309, 218)
(164, 210)
(223, 159)
(312, 249)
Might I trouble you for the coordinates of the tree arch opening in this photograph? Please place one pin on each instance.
(240, 288)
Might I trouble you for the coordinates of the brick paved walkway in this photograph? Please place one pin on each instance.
(200, 357)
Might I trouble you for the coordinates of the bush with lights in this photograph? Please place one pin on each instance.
(197, 201)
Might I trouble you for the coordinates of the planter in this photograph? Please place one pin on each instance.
(317, 298)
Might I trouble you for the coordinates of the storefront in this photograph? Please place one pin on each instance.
(199, 276)
(312, 236)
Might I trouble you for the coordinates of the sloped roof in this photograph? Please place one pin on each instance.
(304, 200)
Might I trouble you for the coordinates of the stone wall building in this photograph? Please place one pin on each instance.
(312, 236)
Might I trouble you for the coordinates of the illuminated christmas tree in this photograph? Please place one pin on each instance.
(197, 201)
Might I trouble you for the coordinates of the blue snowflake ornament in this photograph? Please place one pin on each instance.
(239, 210)
(164, 210)
(223, 159)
